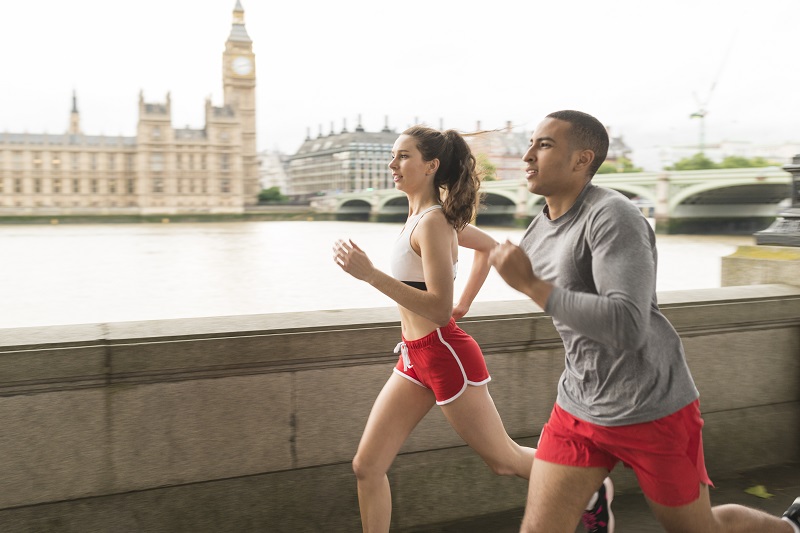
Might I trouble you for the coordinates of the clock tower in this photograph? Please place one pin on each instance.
(239, 86)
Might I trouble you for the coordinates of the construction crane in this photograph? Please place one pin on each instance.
(701, 114)
(702, 106)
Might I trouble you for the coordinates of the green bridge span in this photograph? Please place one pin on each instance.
(741, 200)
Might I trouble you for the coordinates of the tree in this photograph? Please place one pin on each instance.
(623, 164)
(271, 195)
(733, 161)
(697, 162)
(700, 162)
(486, 168)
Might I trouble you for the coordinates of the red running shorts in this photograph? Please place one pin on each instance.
(444, 361)
(666, 454)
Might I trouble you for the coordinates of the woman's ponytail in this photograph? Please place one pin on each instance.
(459, 180)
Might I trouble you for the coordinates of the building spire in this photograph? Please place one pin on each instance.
(74, 116)
(238, 32)
(238, 13)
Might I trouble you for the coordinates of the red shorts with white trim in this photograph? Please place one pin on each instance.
(444, 361)
(666, 454)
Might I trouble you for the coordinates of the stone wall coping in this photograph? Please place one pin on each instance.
(12, 339)
(85, 356)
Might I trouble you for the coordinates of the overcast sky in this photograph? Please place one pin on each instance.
(642, 67)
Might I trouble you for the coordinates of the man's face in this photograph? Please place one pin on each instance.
(550, 160)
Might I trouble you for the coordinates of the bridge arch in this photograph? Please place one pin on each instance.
(496, 209)
(745, 192)
(634, 191)
(393, 208)
(354, 209)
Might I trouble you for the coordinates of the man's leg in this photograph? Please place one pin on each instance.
(557, 496)
(700, 517)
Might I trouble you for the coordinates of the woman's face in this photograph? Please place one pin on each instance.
(409, 171)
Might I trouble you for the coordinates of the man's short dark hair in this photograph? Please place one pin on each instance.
(587, 133)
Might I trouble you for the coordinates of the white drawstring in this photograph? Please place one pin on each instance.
(403, 349)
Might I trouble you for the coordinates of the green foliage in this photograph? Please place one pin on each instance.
(607, 168)
(760, 162)
(271, 195)
(697, 162)
(700, 162)
(486, 168)
(742, 162)
(623, 164)
(733, 161)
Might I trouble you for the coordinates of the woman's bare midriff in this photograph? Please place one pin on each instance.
(415, 326)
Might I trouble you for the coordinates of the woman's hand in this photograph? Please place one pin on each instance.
(459, 311)
(352, 260)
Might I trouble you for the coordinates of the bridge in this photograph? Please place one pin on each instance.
(699, 201)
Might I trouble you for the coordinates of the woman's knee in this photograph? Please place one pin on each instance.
(516, 462)
(364, 468)
(501, 469)
(502, 465)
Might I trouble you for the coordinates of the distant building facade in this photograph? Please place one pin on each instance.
(160, 170)
(358, 160)
(503, 149)
(272, 170)
(351, 161)
(342, 162)
(617, 149)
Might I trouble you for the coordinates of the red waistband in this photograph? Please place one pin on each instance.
(431, 337)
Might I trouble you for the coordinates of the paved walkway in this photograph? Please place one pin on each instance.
(633, 515)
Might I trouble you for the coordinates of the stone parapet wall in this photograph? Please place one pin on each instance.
(249, 423)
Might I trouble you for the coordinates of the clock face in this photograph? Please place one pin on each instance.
(242, 65)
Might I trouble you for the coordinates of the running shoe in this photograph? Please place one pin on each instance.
(792, 515)
(600, 519)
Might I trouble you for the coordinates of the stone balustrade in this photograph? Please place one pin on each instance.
(249, 423)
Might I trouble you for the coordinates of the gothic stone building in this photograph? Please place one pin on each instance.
(162, 170)
(342, 162)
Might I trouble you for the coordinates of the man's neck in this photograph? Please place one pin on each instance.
(559, 204)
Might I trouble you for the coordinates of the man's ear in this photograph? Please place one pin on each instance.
(584, 161)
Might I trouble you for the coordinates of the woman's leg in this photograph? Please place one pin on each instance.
(397, 410)
(475, 418)
(700, 517)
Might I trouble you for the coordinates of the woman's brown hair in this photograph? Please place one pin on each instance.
(456, 180)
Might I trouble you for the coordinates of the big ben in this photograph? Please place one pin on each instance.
(239, 86)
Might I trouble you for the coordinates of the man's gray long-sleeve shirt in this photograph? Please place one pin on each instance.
(624, 361)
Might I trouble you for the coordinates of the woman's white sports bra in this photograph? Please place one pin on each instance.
(406, 264)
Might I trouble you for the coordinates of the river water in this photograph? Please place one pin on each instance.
(72, 274)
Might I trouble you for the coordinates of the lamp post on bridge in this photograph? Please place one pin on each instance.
(785, 231)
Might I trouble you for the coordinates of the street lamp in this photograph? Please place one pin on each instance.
(785, 231)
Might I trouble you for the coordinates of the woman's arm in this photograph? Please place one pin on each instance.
(433, 237)
(482, 243)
